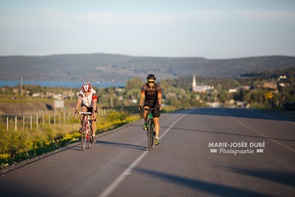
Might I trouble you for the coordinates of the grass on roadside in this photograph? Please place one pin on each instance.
(22, 144)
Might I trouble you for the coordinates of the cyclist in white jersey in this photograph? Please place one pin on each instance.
(87, 100)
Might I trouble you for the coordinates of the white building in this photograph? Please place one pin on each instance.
(200, 88)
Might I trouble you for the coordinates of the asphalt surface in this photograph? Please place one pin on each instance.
(202, 152)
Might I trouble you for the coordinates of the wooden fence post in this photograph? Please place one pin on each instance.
(7, 121)
(37, 121)
(31, 122)
(24, 122)
(15, 123)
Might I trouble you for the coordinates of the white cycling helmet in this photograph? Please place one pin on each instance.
(86, 87)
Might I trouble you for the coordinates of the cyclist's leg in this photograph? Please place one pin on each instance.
(83, 109)
(145, 113)
(157, 126)
(93, 125)
(156, 114)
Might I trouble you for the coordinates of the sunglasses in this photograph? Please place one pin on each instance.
(151, 82)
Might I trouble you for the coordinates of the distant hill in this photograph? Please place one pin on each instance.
(119, 68)
(272, 74)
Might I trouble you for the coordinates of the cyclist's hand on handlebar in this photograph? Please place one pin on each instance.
(76, 112)
(93, 116)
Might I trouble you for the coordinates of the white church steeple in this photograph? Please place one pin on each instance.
(194, 84)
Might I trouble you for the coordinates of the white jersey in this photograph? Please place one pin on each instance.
(87, 100)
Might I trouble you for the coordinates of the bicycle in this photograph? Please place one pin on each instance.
(86, 130)
(150, 129)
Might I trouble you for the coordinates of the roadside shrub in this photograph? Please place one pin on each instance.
(113, 116)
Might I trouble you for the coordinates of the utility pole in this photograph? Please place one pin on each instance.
(21, 86)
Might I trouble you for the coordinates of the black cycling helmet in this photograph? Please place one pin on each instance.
(151, 78)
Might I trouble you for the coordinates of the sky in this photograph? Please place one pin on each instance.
(213, 29)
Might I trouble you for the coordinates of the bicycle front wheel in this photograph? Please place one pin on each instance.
(150, 134)
(83, 134)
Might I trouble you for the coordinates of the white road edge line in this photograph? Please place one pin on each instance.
(109, 190)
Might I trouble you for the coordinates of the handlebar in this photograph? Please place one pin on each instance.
(86, 113)
(82, 113)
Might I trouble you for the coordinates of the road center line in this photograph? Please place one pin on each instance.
(264, 135)
(109, 190)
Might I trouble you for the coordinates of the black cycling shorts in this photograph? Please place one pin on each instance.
(156, 112)
(89, 109)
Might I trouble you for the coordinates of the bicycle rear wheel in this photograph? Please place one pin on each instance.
(88, 139)
(83, 138)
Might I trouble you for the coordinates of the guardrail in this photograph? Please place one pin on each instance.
(289, 106)
(37, 120)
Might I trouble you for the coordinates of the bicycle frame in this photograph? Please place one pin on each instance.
(86, 130)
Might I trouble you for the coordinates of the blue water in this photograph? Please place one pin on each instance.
(65, 84)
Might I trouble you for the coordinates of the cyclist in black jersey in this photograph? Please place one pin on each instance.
(151, 96)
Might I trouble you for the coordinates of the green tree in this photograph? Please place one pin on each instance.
(134, 83)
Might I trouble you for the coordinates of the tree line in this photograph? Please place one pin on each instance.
(252, 91)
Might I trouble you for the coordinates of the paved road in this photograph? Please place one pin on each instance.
(202, 152)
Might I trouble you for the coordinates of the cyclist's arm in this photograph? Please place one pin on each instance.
(159, 96)
(94, 99)
(142, 97)
(160, 99)
(79, 103)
